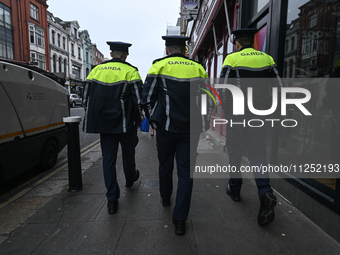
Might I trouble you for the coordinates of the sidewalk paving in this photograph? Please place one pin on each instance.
(78, 223)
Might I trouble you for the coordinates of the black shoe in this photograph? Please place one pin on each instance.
(112, 207)
(179, 227)
(130, 184)
(266, 213)
(235, 197)
(166, 202)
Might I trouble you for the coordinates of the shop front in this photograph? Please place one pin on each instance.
(303, 37)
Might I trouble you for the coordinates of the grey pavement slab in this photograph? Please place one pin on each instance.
(78, 223)
(155, 237)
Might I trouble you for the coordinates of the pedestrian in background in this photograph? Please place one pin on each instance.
(166, 98)
(112, 101)
(249, 63)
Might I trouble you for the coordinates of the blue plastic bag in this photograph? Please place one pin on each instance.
(145, 125)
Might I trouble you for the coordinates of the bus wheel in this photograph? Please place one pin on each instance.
(49, 155)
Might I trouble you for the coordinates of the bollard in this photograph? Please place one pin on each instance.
(73, 153)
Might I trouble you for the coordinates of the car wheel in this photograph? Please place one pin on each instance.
(49, 155)
(73, 104)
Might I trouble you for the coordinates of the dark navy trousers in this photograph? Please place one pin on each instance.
(169, 146)
(253, 140)
(109, 145)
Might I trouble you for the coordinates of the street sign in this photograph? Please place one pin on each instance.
(187, 11)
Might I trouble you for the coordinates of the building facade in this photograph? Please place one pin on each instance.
(76, 57)
(96, 56)
(303, 37)
(87, 47)
(24, 32)
(59, 48)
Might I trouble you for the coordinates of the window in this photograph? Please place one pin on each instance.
(87, 57)
(306, 46)
(64, 43)
(58, 40)
(292, 43)
(76, 71)
(6, 34)
(315, 43)
(34, 12)
(79, 53)
(65, 67)
(54, 64)
(75, 33)
(32, 34)
(312, 20)
(287, 46)
(37, 36)
(305, 68)
(53, 37)
(5, 16)
(59, 64)
(40, 37)
(72, 49)
(40, 59)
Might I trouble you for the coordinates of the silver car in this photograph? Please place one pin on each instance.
(75, 100)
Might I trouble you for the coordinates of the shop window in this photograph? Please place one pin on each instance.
(34, 12)
(314, 51)
(257, 5)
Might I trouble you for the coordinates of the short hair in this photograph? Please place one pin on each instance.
(118, 54)
(176, 49)
(245, 41)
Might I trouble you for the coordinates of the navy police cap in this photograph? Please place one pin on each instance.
(119, 46)
(244, 32)
(175, 40)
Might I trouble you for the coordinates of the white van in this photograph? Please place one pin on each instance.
(32, 107)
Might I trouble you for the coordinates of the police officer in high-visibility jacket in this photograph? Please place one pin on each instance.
(112, 102)
(166, 97)
(248, 63)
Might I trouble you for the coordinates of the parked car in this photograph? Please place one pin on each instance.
(75, 100)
